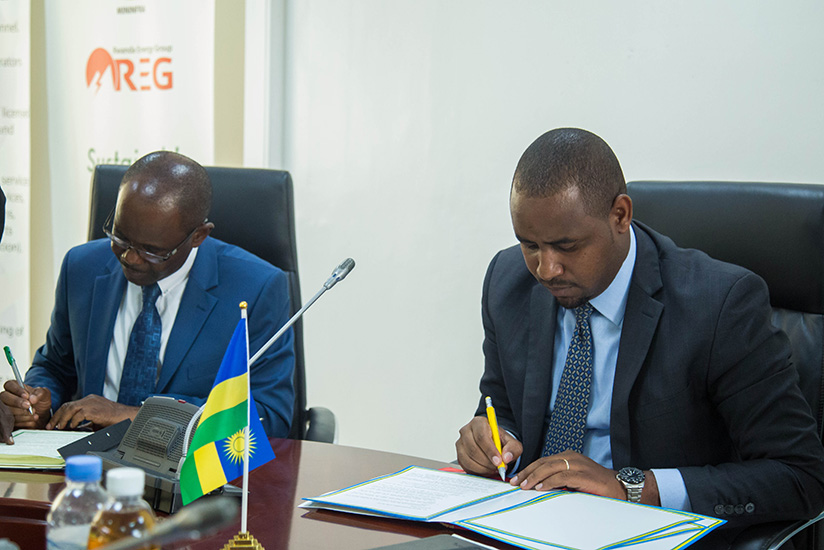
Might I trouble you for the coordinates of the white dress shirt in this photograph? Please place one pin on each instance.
(171, 292)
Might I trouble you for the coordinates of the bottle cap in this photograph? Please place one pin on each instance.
(83, 468)
(125, 482)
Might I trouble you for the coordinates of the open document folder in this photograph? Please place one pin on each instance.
(37, 449)
(529, 519)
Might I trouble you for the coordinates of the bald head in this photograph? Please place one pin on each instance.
(571, 157)
(174, 182)
(161, 211)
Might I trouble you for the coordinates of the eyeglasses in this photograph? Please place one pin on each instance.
(150, 257)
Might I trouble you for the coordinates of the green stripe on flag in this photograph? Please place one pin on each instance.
(217, 427)
(220, 425)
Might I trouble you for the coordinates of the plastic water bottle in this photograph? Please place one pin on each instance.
(72, 512)
(126, 514)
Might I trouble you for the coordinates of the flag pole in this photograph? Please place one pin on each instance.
(244, 540)
(244, 510)
(227, 436)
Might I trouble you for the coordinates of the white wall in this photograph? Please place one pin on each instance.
(404, 120)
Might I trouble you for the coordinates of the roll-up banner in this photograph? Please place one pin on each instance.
(15, 173)
(124, 78)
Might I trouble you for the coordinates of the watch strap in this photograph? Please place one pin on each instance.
(633, 481)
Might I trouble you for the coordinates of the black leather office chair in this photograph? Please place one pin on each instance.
(253, 209)
(777, 231)
(2, 213)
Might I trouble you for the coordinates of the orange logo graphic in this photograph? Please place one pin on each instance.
(153, 74)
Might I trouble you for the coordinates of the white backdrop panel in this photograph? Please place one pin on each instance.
(404, 123)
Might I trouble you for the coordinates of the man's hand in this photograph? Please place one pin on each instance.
(6, 425)
(18, 399)
(476, 449)
(97, 410)
(571, 470)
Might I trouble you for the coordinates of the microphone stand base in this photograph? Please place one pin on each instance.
(243, 541)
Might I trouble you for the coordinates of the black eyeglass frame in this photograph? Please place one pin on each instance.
(150, 257)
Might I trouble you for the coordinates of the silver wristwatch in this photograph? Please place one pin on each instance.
(633, 481)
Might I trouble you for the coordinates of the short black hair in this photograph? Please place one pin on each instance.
(181, 179)
(571, 157)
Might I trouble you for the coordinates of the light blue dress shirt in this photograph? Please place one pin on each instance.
(606, 322)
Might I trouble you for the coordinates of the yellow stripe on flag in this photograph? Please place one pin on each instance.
(209, 470)
(225, 395)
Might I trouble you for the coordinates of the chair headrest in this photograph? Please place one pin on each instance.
(251, 207)
(773, 229)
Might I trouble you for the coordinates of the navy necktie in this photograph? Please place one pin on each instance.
(140, 367)
(569, 418)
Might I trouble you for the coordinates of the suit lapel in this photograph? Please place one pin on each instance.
(106, 298)
(640, 322)
(538, 377)
(195, 306)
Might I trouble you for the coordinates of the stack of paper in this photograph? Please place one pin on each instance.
(529, 519)
(37, 449)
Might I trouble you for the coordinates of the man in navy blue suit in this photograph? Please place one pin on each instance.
(158, 234)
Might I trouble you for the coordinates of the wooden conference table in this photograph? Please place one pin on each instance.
(301, 469)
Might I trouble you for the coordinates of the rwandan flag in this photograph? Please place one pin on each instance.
(215, 456)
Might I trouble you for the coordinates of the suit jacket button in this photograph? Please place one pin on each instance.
(739, 509)
(719, 509)
(729, 509)
(750, 507)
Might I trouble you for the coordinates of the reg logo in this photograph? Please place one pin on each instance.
(137, 72)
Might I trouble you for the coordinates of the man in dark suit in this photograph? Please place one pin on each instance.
(159, 234)
(689, 399)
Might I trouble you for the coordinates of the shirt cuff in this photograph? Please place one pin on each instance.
(671, 489)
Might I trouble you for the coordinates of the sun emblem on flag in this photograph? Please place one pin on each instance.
(233, 446)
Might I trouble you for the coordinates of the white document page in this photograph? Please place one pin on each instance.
(673, 542)
(37, 448)
(567, 520)
(490, 506)
(416, 493)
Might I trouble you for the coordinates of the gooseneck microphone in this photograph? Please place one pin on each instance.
(338, 275)
(194, 521)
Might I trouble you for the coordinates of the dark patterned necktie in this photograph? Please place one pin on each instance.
(569, 418)
(140, 367)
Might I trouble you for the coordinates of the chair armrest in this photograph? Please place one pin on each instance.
(321, 425)
(770, 536)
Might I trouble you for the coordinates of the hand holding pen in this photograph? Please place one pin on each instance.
(13, 363)
(30, 406)
(479, 454)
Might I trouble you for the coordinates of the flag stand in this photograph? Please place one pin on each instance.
(244, 539)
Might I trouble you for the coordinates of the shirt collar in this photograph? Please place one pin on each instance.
(612, 302)
(179, 276)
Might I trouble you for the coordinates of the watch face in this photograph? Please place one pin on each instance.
(630, 475)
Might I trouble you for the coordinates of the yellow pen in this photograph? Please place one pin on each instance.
(496, 435)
